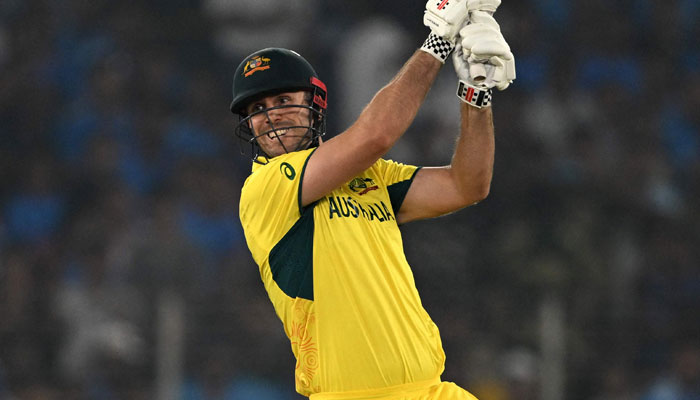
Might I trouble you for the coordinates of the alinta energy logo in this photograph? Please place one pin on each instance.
(362, 185)
(255, 64)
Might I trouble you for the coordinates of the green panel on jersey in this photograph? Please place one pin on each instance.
(397, 192)
(291, 260)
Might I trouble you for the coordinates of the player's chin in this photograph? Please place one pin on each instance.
(285, 144)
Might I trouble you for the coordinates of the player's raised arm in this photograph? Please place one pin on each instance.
(482, 60)
(392, 110)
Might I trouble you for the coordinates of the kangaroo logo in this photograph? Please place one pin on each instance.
(362, 185)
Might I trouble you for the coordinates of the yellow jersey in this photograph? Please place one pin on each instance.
(338, 278)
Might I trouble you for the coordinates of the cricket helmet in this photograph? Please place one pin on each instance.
(270, 71)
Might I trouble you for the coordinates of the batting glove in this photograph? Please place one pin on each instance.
(489, 6)
(489, 57)
(444, 18)
(470, 89)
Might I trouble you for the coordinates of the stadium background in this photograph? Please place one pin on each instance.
(123, 269)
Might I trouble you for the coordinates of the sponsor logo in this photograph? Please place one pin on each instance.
(288, 171)
(362, 185)
(255, 64)
(442, 4)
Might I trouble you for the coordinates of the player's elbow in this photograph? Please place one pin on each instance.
(383, 143)
(476, 191)
(381, 130)
(482, 191)
(378, 141)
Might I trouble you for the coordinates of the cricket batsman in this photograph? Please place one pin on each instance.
(321, 218)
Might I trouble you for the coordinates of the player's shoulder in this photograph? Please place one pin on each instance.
(285, 167)
(278, 179)
(280, 163)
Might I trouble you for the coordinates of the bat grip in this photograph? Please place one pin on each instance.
(477, 71)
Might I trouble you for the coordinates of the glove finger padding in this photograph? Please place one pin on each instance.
(474, 73)
(483, 5)
(477, 32)
(444, 18)
(504, 71)
(500, 71)
(482, 17)
(486, 49)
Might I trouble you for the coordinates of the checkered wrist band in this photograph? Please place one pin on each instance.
(437, 47)
(474, 96)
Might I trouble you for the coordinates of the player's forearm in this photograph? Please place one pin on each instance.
(472, 163)
(394, 107)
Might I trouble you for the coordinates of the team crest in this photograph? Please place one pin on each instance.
(362, 185)
(255, 64)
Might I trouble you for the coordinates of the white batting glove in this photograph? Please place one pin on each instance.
(490, 6)
(491, 62)
(444, 18)
(470, 88)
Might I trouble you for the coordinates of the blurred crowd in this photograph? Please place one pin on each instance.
(120, 176)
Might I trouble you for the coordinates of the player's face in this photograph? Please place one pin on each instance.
(280, 130)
